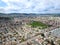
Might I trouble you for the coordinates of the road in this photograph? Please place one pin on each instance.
(31, 39)
(28, 40)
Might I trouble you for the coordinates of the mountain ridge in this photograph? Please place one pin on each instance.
(27, 14)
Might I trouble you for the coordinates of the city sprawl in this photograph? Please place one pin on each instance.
(30, 30)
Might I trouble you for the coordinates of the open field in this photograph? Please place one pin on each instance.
(39, 24)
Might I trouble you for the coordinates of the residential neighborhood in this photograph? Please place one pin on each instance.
(38, 30)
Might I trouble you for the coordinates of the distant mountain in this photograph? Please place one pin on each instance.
(27, 14)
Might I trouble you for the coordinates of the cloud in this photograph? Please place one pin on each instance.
(31, 6)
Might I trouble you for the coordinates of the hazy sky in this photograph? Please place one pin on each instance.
(30, 6)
